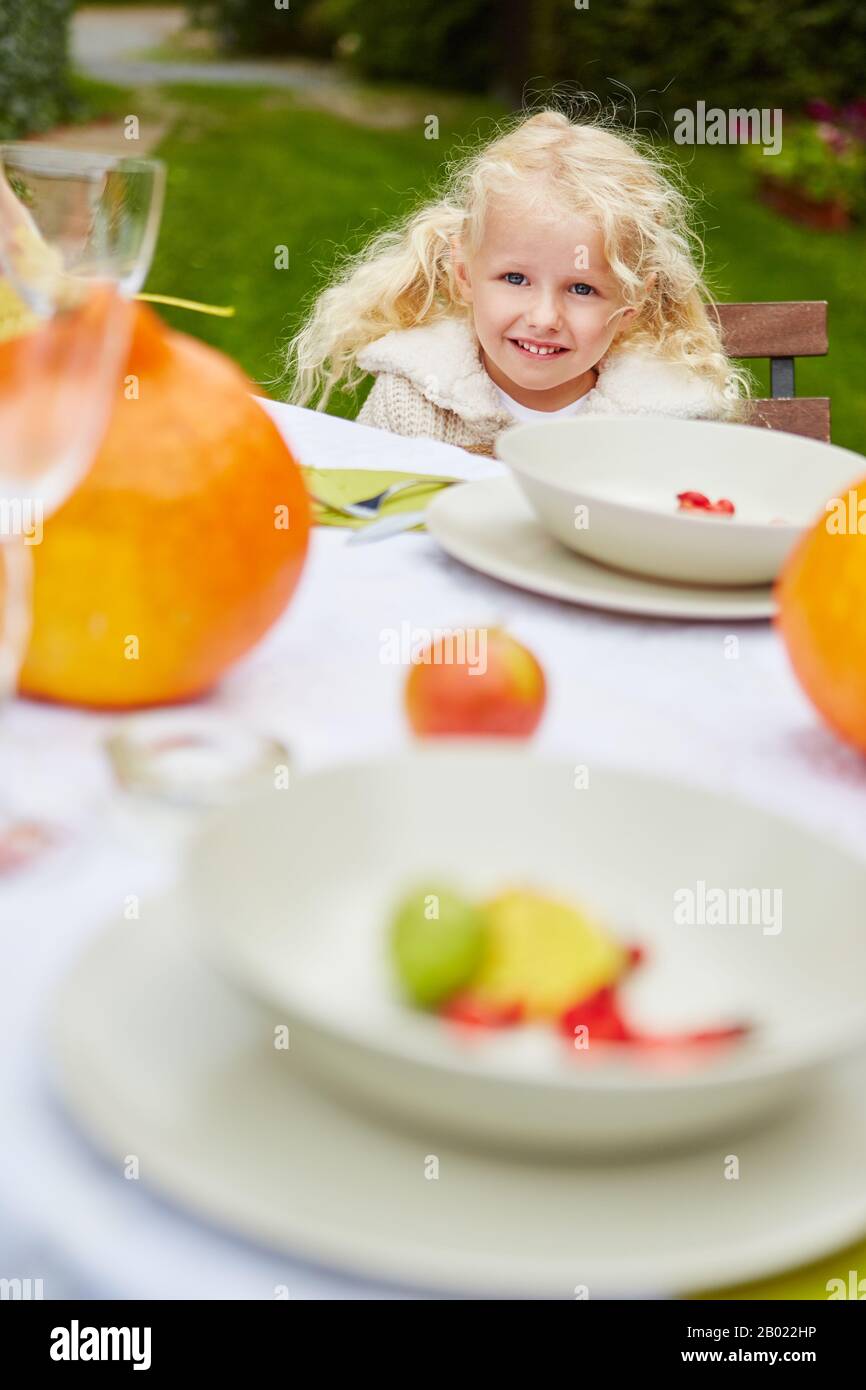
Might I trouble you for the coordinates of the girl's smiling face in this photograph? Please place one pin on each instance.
(546, 304)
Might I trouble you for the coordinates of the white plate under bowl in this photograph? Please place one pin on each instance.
(607, 488)
(490, 526)
(156, 1056)
(292, 894)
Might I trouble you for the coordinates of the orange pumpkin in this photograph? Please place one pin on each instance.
(822, 615)
(180, 548)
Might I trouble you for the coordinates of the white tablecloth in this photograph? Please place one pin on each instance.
(655, 694)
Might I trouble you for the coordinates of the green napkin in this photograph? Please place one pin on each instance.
(342, 485)
(808, 1282)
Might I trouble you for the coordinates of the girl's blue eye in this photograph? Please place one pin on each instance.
(516, 277)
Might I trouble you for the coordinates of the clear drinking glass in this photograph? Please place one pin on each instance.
(77, 235)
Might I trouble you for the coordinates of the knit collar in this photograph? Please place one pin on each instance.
(443, 360)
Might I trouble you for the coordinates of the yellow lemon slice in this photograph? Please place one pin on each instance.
(544, 954)
(15, 316)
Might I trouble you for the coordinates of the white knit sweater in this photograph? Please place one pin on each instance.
(431, 382)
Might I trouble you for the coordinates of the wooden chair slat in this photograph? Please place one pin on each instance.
(808, 415)
(796, 329)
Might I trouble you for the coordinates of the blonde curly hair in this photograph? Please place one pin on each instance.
(404, 276)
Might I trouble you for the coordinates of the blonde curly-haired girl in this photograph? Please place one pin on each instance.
(558, 274)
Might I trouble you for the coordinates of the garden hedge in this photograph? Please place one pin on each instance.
(665, 52)
(746, 53)
(259, 26)
(34, 91)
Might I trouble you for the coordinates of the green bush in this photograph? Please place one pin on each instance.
(438, 43)
(747, 53)
(259, 26)
(34, 90)
(652, 56)
(649, 56)
(819, 160)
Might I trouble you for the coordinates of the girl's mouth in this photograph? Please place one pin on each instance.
(543, 351)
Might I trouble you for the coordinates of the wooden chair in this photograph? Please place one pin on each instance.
(781, 332)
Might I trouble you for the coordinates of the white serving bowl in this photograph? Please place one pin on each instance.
(607, 488)
(291, 895)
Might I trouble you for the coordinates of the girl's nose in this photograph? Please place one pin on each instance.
(543, 314)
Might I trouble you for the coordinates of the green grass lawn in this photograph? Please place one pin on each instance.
(753, 254)
(249, 172)
(252, 170)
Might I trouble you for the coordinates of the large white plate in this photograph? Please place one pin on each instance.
(158, 1058)
(489, 525)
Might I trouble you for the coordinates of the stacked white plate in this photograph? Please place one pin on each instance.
(591, 515)
(251, 1047)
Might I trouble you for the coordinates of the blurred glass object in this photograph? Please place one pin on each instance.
(77, 236)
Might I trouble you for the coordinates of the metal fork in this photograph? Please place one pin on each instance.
(370, 506)
(387, 526)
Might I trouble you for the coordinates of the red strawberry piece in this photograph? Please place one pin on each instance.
(707, 1035)
(724, 506)
(474, 1013)
(678, 1046)
(600, 1015)
(688, 500)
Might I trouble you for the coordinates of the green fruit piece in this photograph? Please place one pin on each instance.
(437, 942)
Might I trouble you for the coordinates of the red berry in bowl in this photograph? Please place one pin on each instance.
(476, 1013)
(600, 1015)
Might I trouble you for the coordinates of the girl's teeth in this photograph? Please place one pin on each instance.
(539, 351)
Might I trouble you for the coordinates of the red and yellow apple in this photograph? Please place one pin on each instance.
(475, 681)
